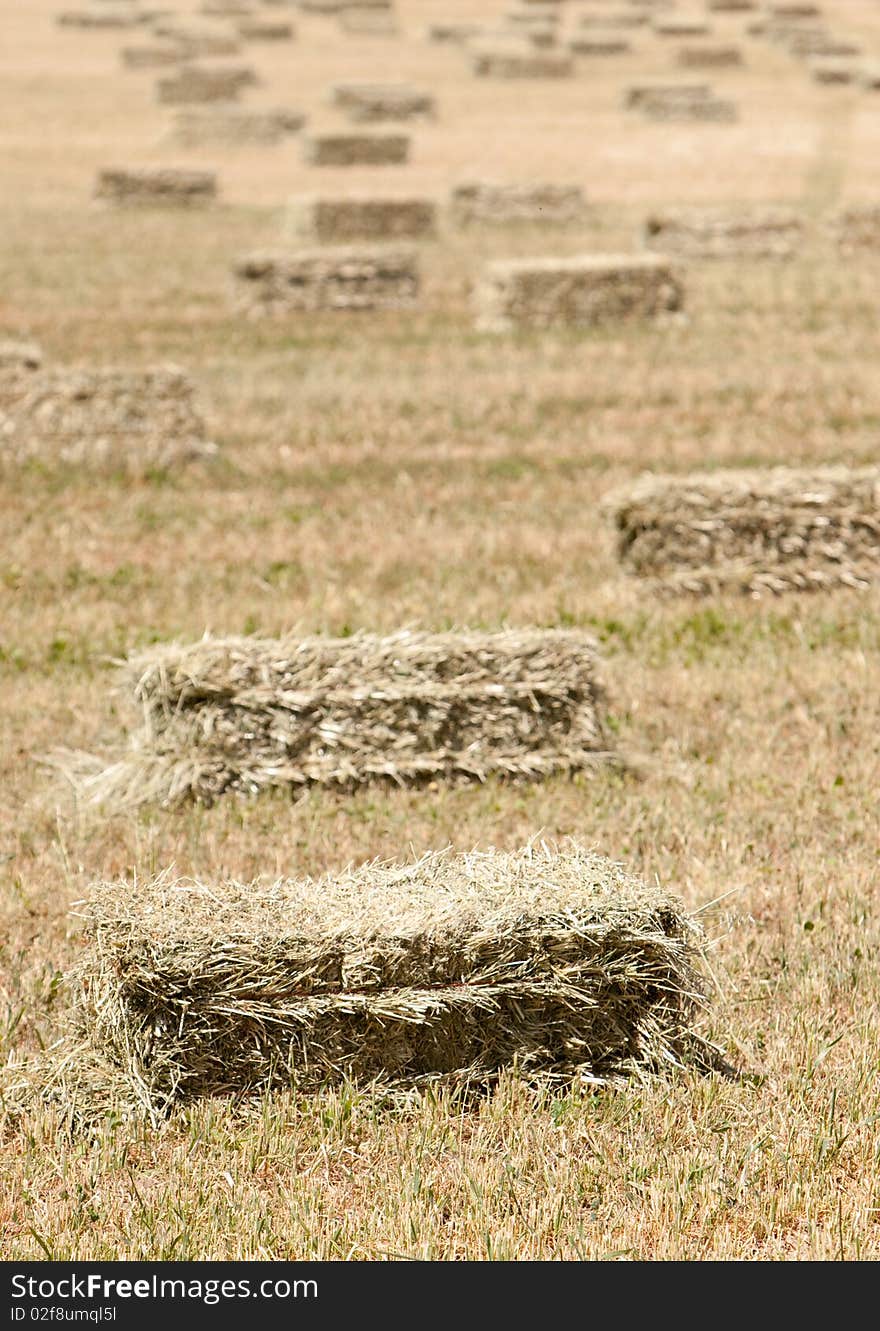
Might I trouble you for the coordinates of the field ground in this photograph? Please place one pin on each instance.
(402, 469)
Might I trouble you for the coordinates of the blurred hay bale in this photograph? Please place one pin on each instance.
(202, 83)
(869, 77)
(226, 8)
(368, 21)
(194, 41)
(233, 126)
(530, 18)
(508, 63)
(832, 71)
(487, 203)
(344, 278)
(334, 221)
(247, 714)
(98, 18)
(679, 102)
(614, 18)
(596, 42)
(265, 30)
(362, 149)
(151, 56)
(680, 25)
(709, 57)
(163, 186)
(453, 34)
(769, 530)
(717, 234)
(792, 11)
(731, 6)
(451, 967)
(855, 229)
(106, 419)
(582, 290)
(382, 101)
(17, 355)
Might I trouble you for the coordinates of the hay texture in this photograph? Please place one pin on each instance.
(232, 126)
(451, 968)
(336, 221)
(714, 234)
(278, 282)
(247, 714)
(539, 204)
(365, 102)
(582, 291)
(164, 186)
(758, 531)
(108, 419)
(356, 149)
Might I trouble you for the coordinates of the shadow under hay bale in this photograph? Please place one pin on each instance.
(584, 290)
(175, 187)
(449, 968)
(332, 221)
(233, 126)
(356, 149)
(246, 714)
(714, 234)
(344, 278)
(774, 530)
(485, 203)
(126, 420)
(364, 102)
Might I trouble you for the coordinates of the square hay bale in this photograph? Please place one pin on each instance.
(362, 149)
(485, 203)
(709, 57)
(18, 355)
(596, 42)
(246, 714)
(265, 30)
(343, 278)
(382, 101)
(128, 420)
(335, 221)
(714, 234)
(855, 229)
(151, 56)
(683, 103)
(452, 968)
(751, 531)
(507, 63)
(583, 290)
(233, 126)
(162, 186)
(199, 83)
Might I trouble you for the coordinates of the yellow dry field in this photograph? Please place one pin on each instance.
(386, 469)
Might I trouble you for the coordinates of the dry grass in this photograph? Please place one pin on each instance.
(420, 473)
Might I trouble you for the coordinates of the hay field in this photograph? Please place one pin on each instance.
(396, 468)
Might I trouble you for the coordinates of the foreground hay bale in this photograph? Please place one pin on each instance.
(365, 102)
(453, 967)
(200, 83)
(757, 531)
(107, 419)
(357, 149)
(714, 234)
(278, 282)
(233, 126)
(335, 221)
(164, 186)
(584, 290)
(485, 203)
(245, 714)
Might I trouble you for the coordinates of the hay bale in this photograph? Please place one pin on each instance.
(709, 57)
(246, 715)
(792, 11)
(344, 278)
(194, 42)
(596, 42)
(335, 221)
(614, 18)
(98, 18)
(855, 229)
(731, 6)
(162, 186)
(202, 83)
(264, 30)
(774, 530)
(485, 203)
(364, 102)
(832, 71)
(368, 21)
(356, 149)
(680, 25)
(226, 8)
(505, 63)
(583, 290)
(17, 355)
(527, 18)
(869, 78)
(151, 56)
(110, 419)
(233, 126)
(716, 234)
(453, 34)
(451, 967)
(679, 102)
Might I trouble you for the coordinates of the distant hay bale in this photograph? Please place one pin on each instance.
(792, 11)
(530, 18)
(709, 57)
(453, 34)
(614, 18)
(731, 6)
(246, 715)
(194, 42)
(596, 42)
(17, 355)
(540, 204)
(583, 290)
(233, 126)
(855, 229)
(717, 234)
(344, 278)
(226, 8)
(126, 420)
(199, 83)
(265, 30)
(833, 71)
(382, 101)
(506, 63)
(772, 530)
(151, 56)
(368, 21)
(362, 149)
(177, 187)
(98, 18)
(335, 221)
(448, 968)
(680, 25)
(679, 102)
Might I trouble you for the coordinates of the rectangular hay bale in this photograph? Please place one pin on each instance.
(512, 64)
(233, 126)
(334, 221)
(195, 83)
(357, 149)
(486, 203)
(449, 968)
(365, 102)
(715, 234)
(162, 186)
